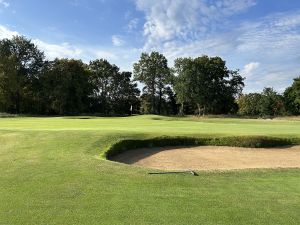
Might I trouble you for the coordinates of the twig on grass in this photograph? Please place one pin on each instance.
(174, 172)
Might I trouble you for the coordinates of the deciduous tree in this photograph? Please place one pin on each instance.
(153, 72)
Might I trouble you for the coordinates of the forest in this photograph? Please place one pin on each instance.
(31, 84)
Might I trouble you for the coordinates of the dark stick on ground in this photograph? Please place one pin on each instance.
(174, 172)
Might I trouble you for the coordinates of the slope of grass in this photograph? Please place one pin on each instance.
(51, 173)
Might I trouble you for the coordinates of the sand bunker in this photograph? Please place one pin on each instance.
(212, 158)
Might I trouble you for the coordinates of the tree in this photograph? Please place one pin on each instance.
(65, 87)
(267, 103)
(183, 68)
(153, 72)
(292, 97)
(113, 91)
(101, 79)
(124, 94)
(249, 104)
(207, 83)
(271, 103)
(171, 107)
(21, 63)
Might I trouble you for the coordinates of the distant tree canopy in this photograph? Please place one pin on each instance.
(267, 103)
(153, 72)
(113, 91)
(29, 84)
(206, 83)
(65, 87)
(20, 68)
(292, 98)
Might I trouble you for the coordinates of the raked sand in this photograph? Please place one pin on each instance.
(212, 158)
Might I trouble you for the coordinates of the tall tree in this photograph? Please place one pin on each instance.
(65, 87)
(153, 72)
(207, 83)
(113, 91)
(20, 65)
(102, 74)
(124, 94)
(292, 97)
(184, 70)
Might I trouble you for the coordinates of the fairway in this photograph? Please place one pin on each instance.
(52, 172)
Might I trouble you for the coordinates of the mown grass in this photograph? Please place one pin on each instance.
(51, 172)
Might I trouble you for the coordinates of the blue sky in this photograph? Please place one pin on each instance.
(259, 37)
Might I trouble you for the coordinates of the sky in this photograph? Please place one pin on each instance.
(259, 37)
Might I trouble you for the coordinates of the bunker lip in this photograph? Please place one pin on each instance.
(211, 158)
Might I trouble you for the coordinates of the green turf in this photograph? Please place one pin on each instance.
(51, 172)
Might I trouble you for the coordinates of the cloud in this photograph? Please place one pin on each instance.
(182, 30)
(274, 35)
(4, 4)
(7, 33)
(105, 55)
(123, 57)
(64, 50)
(132, 24)
(170, 19)
(117, 40)
(249, 69)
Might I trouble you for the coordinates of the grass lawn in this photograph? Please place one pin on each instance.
(51, 172)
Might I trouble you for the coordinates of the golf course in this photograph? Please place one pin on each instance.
(56, 171)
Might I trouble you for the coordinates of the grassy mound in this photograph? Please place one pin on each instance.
(238, 141)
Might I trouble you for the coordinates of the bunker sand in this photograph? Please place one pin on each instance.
(212, 158)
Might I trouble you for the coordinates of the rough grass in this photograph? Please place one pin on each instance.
(51, 172)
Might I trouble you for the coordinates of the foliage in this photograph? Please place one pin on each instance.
(20, 65)
(271, 103)
(268, 103)
(207, 83)
(113, 91)
(153, 72)
(31, 85)
(292, 98)
(249, 104)
(65, 87)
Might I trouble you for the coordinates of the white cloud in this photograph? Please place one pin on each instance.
(7, 33)
(105, 55)
(122, 57)
(249, 69)
(64, 50)
(117, 40)
(132, 24)
(170, 19)
(4, 4)
(273, 35)
(274, 41)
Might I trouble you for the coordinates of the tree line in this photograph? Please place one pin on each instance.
(30, 84)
